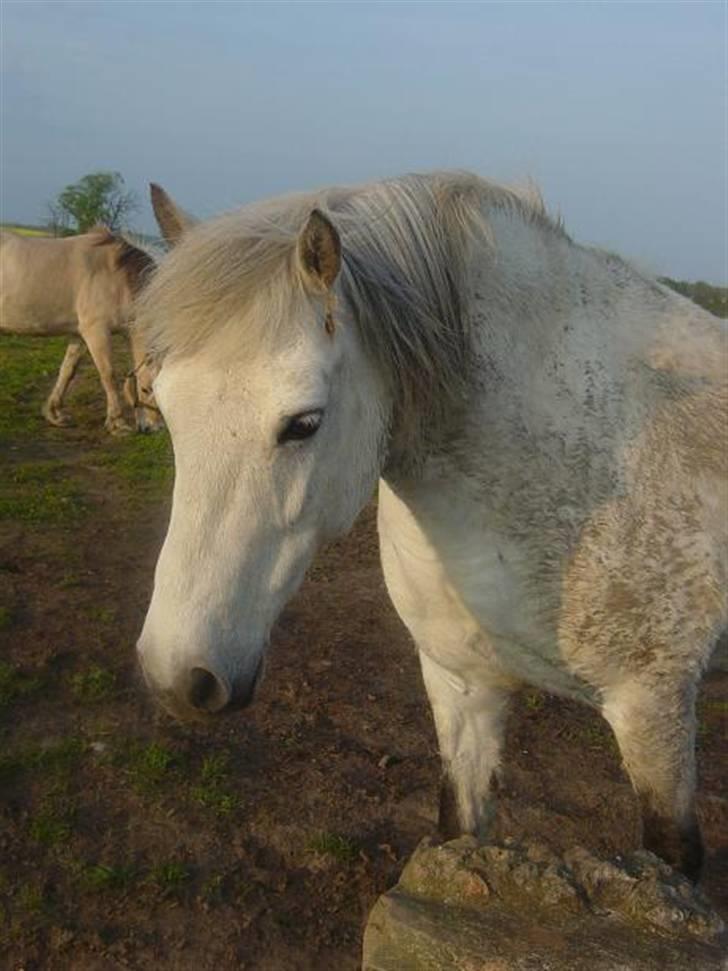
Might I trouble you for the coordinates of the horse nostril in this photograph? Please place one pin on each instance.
(206, 692)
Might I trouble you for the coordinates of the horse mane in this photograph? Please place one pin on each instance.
(405, 246)
(134, 261)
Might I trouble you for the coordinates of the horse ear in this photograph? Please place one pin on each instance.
(319, 251)
(173, 221)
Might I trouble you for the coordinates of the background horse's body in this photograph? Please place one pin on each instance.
(549, 428)
(82, 286)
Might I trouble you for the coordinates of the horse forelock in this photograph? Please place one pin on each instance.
(406, 244)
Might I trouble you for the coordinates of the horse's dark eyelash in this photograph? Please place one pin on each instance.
(300, 427)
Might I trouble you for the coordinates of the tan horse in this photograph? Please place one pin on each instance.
(83, 286)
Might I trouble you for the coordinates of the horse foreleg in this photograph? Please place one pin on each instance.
(138, 388)
(53, 408)
(98, 340)
(470, 722)
(655, 729)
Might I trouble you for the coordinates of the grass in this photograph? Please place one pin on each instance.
(148, 766)
(41, 493)
(6, 618)
(92, 685)
(31, 898)
(211, 790)
(28, 367)
(53, 823)
(100, 877)
(144, 462)
(340, 848)
(25, 230)
(16, 686)
(55, 762)
(101, 614)
(169, 878)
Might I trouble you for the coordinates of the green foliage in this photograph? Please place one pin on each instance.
(99, 197)
(714, 299)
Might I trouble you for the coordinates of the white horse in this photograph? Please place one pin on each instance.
(548, 428)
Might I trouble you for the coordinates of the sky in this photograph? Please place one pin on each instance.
(617, 110)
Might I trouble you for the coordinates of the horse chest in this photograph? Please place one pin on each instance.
(443, 545)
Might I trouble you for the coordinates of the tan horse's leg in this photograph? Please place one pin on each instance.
(53, 408)
(146, 413)
(98, 340)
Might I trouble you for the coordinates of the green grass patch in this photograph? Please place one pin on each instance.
(213, 889)
(56, 762)
(101, 877)
(148, 766)
(31, 899)
(340, 848)
(40, 493)
(28, 368)
(25, 230)
(53, 823)
(101, 614)
(92, 685)
(534, 700)
(212, 789)
(6, 618)
(169, 878)
(16, 686)
(142, 461)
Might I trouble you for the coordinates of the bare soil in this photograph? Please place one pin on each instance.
(130, 842)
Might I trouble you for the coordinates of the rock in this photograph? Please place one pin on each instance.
(465, 906)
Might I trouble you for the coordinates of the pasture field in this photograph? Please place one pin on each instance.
(261, 842)
(24, 230)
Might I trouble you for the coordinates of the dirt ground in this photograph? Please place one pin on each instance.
(130, 842)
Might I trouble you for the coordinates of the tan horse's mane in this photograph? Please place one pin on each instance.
(132, 260)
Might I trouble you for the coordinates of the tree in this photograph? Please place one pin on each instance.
(99, 197)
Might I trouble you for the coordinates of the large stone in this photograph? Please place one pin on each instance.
(464, 906)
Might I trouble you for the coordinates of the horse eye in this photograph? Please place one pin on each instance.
(300, 426)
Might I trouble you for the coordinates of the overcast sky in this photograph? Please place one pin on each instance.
(616, 109)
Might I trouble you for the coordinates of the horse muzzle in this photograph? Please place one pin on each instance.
(198, 693)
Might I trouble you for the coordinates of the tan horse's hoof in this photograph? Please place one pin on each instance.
(118, 426)
(61, 419)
